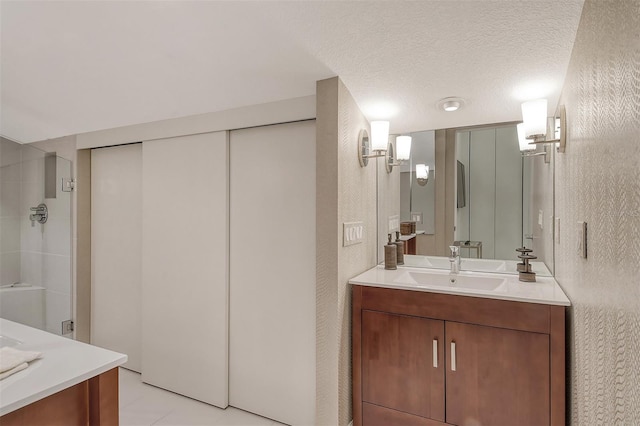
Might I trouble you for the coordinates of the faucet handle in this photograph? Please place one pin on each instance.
(455, 251)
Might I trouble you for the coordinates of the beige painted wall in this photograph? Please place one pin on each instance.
(598, 181)
(345, 192)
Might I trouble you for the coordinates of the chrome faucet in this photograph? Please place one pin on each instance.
(454, 259)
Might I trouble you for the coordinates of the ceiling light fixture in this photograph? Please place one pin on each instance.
(450, 104)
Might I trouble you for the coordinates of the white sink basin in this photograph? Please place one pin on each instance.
(8, 341)
(445, 280)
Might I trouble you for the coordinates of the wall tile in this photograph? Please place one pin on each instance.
(58, 309)
(10, 152)
(9, 268)
(11, 173)
(56, 273)
(9, 234)
(31, 235)
(31, 267)
(9, 199)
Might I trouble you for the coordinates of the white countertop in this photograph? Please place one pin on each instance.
(64, 363)
(545, 290)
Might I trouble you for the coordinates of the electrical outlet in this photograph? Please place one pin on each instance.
(394, 224)
(540, 218)
(416, 217)
(352, 233)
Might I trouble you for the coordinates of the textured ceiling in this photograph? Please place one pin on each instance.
(72, 67)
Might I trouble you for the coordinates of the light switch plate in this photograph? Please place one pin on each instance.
(416, 217)
(394, 224)
(352, 233)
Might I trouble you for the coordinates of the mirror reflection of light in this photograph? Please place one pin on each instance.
(534, 90)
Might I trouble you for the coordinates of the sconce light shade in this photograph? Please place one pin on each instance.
(422, 174)
(522, 140)
(403, 148)
(379, 135)
(534, 117)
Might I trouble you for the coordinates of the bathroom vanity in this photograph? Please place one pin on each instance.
(484, 350)
(72, 384)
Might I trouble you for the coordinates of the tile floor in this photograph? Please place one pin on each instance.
(145, 405)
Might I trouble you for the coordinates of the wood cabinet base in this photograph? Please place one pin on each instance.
(92, 402)
(423, 358)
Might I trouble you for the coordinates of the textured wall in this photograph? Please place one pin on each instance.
(345, 193)
(598, 181)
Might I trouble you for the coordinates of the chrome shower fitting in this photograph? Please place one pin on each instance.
(40, 215)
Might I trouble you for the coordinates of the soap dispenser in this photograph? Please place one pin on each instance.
(390, 256)
(399, 249)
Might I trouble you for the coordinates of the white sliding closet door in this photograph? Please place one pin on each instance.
(116, 249)
(272, 271)
(185, 261)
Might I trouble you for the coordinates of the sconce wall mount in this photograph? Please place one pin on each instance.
(537, 136)
(379, 142)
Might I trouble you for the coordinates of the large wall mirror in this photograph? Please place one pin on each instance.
(481, 194)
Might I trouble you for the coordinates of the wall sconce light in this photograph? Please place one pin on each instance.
(401, 153)
(378, 143)
(534, 120)
(422, 174)
(527, 149)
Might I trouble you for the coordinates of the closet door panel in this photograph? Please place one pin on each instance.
(272, 271)
(116, 250)
(185, 261)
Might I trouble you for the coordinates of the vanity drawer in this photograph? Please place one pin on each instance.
(490, 312)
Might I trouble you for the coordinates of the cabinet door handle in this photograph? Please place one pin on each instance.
(453, 356)
(435, 353)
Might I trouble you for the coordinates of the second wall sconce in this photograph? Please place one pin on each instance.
(527, 149)
(401, 153)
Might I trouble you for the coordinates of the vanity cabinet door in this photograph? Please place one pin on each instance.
(398, 366)
(496, 376)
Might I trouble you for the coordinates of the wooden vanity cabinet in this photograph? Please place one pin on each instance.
(399, 368)
(428, 359)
